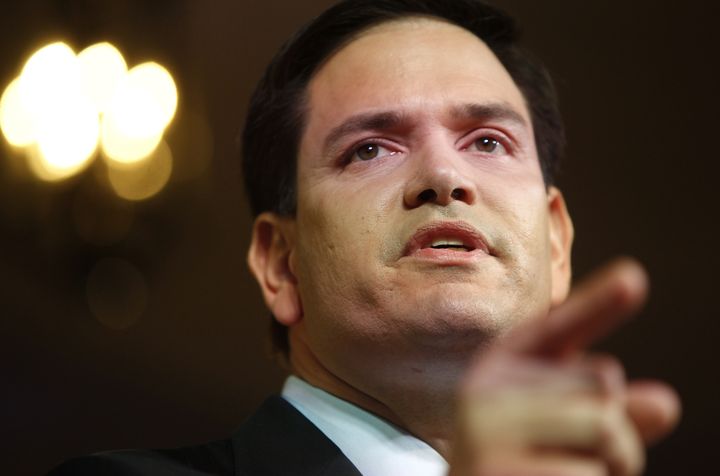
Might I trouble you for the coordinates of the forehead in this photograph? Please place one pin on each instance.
(414, 65)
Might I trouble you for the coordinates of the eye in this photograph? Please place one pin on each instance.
(370, 151)
(488, 145)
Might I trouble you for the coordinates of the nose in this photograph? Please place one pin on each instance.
(440, 179)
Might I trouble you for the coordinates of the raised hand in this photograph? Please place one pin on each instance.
(538, 403)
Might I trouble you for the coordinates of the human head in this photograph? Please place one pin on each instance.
(277, 114)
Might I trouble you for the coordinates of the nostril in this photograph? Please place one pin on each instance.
(458, 194)
(428, 195)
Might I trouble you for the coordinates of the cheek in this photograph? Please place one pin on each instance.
(523, 232)
(520, 203)
(340, 277)
(347, 215)
(340, 240)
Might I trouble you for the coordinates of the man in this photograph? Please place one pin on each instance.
(415, 254)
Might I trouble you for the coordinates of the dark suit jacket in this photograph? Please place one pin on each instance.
(276, 440)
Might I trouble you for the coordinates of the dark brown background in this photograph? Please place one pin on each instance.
(638, 84)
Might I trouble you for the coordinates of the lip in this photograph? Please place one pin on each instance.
(419, 244)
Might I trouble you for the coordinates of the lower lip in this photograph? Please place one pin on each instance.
(448, 257)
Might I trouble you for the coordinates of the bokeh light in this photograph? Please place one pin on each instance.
(47, 171)
(144, 179)
(48, 78)
(68, 136)
(63, 105)
(16, 121)
(121, 145)
(102, 67)
(142, 107)
(158, 82)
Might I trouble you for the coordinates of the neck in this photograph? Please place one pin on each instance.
(422, 406)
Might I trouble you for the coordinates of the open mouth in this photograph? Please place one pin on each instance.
(450, 244)
(441, 238)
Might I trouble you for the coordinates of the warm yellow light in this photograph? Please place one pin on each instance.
(142, 107)
(142, 180)
(48, 77)
(102, 67)
(119, 146)
(58, 118)
(67, 138)
(62, 105)
(16, 121)
(43, 170)
(159, 83)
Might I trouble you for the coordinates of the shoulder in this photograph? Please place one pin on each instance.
(201, 460)
(277, 439)
(250, 446)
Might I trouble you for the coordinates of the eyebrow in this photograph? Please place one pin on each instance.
(386, 120)
(362, 122)
(498, 111)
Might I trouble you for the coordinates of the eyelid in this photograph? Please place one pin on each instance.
(348, 153)
(504, 139)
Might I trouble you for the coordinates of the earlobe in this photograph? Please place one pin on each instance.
(561, 239)
(269, 259)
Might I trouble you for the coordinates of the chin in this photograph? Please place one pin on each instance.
(450, 319)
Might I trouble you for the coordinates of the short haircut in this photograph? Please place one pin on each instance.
(276, 117)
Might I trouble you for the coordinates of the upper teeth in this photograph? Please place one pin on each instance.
(446, 242)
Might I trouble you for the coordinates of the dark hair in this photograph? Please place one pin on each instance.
(275, 120)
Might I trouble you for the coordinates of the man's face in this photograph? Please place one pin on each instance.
(423, 224)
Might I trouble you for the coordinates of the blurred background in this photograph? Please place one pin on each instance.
(127, 315)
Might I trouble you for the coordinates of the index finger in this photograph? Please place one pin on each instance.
(595, 307)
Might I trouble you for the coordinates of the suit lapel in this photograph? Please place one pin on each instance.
(279, 440)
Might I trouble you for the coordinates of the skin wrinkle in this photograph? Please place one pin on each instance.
(397, 123)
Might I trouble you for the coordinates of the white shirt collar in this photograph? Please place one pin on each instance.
(374, 446)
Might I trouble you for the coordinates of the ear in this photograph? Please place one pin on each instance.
(270, 260)
(561, 239)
